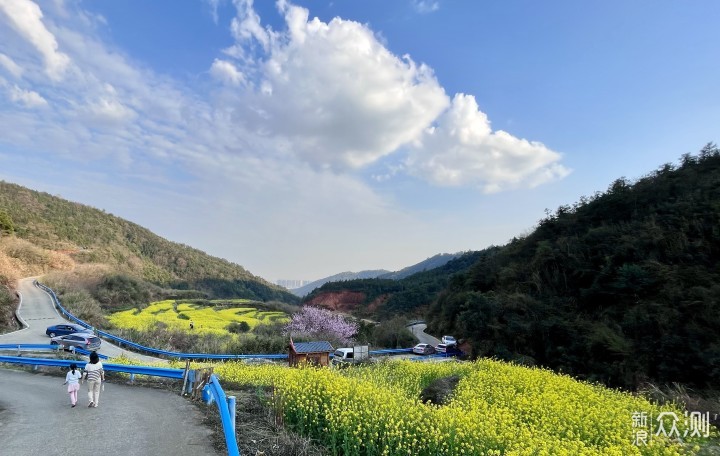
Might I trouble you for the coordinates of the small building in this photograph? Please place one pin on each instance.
(317, 353)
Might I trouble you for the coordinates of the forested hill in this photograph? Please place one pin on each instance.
(382, 298)
(622, 287)
(89, 235)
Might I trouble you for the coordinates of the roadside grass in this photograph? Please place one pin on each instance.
(259, 432)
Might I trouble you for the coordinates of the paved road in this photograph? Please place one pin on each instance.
(36, 419)
(38, 312)
(418, 331)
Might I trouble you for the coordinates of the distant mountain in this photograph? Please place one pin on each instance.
(343, 276)
(86, 235)
(425, 265)
(431, 263)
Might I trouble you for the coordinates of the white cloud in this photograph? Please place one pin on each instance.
(337, 94)
(342, 101)
(425, 6)
(26, 17)
(297, 113)
(246, 26)
(462, 149)
(109, 110)
(10, 66)
(226, 72)
(213, 4)
(27, 98)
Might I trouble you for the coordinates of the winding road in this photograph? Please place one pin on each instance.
(38, 312)
(36, 417)
(418, 330)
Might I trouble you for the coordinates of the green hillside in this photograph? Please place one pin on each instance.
(383, 298)
(621, 287)
(90, 235)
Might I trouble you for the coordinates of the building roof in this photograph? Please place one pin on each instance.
(312, 347)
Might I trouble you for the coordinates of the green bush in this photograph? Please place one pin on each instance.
(120, 291)
(392, 333)
(6, 224)
(237, 327)
(7, 307)
(81, 304)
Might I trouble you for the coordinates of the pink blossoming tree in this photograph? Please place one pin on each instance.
(317, 322)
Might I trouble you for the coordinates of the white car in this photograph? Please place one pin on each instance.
(448, 340)
(424, 349)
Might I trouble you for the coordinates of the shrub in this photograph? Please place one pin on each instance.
(122, 291)
(6, 224)
(238, 327)
(7, 306)
(392, 334)
(81, 304)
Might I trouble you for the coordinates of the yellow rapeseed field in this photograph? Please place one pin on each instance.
(497, 408)
(205, 319)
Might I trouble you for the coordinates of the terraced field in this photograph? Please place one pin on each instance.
(205, 319)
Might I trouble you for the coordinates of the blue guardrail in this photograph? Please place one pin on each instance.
(215, 387)
(154, 351)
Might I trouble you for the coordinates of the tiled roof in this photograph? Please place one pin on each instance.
(313, 347)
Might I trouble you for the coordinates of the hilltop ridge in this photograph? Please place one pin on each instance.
(81, 234)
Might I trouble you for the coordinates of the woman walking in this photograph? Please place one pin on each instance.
(72, 380)
(95, 375)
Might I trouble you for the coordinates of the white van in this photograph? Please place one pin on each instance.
(350, 355)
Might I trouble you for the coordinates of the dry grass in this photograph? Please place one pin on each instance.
(257, 431)
(20, 258)
(82, 276)
(686, 398)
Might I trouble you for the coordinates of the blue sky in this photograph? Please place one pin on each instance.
(301, 139)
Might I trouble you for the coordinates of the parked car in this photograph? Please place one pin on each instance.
(65, 328)
(450, 349)
(448, 340)
(423, 349)
(81, 340)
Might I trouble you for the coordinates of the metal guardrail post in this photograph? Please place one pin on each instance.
(231, 408)
(207, 395)
(185, 376)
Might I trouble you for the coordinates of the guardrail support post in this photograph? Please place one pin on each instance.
(207, 395)
(185, 377)
(132, 378)
(231, 408)
(190, 384)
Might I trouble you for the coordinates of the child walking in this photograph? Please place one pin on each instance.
(72, 380)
